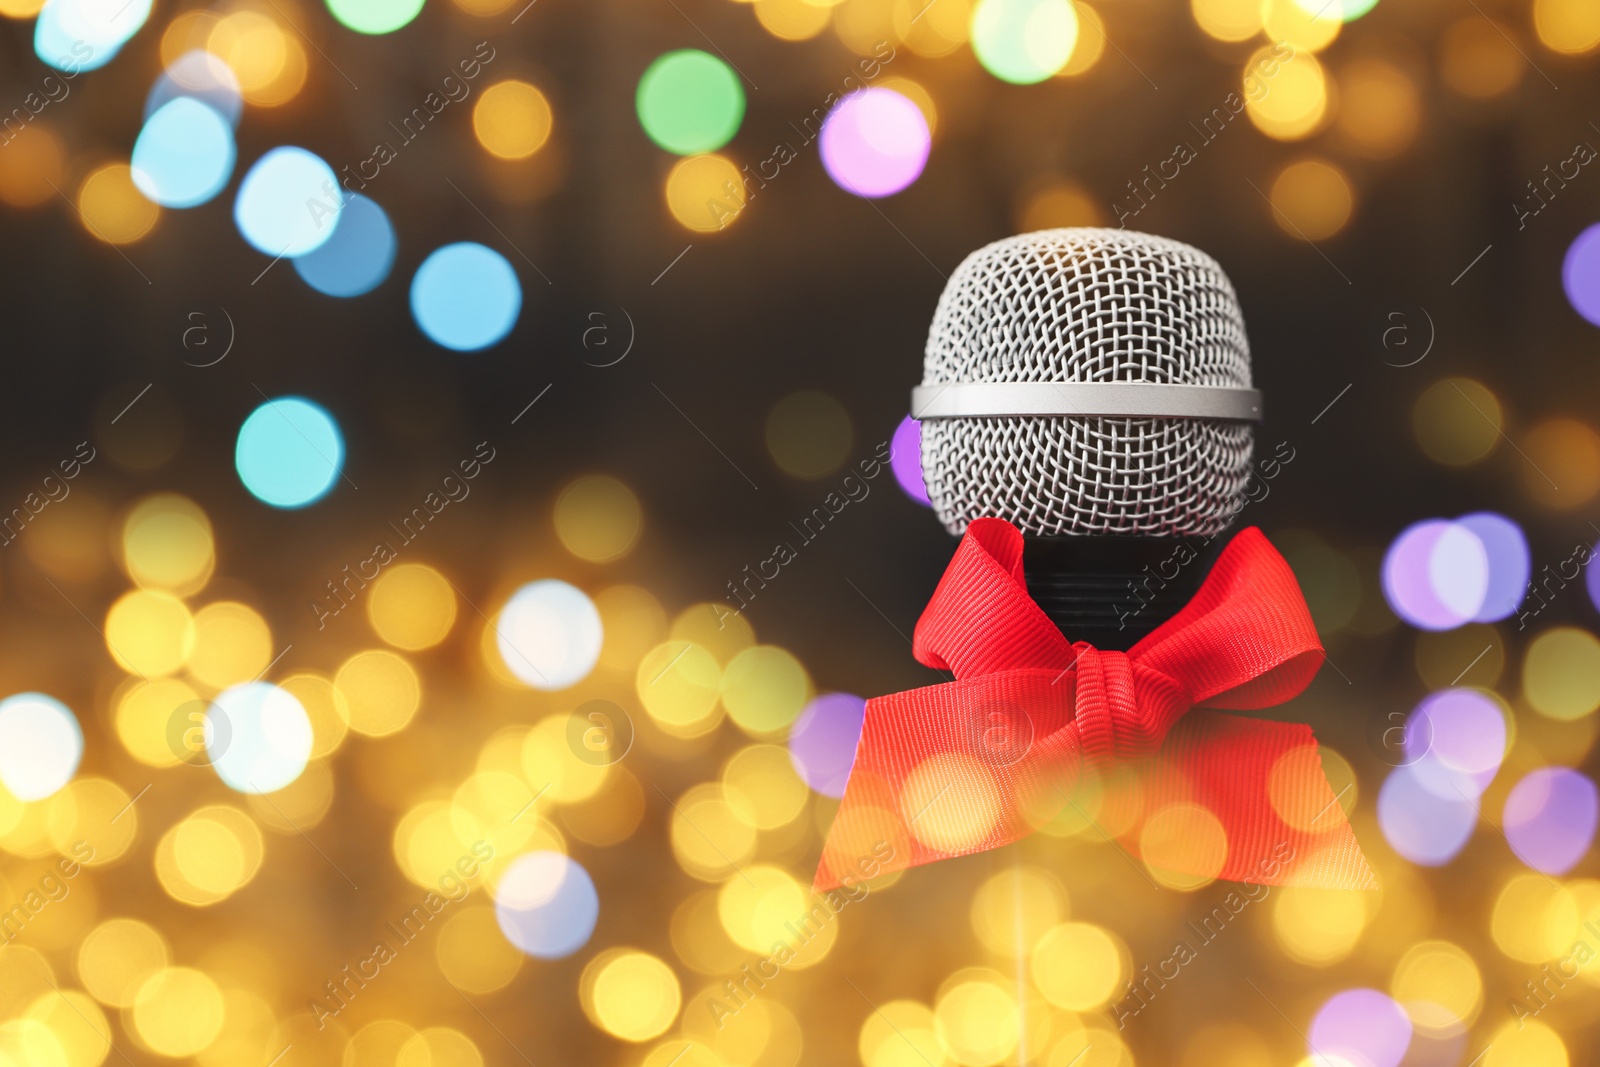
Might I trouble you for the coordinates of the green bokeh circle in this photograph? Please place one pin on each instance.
(1024, 41)
(375, 16)
(690, 102)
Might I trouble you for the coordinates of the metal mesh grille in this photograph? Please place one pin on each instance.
(1088, 305)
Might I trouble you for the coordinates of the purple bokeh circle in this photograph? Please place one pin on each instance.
(1509, 563)
(905, 458)
(1580, 274)
(1436, 574)
(822, 742)
(1550, 819)
(1362, 1027)
(1454, 742)
(1419, 824)
(875, 143)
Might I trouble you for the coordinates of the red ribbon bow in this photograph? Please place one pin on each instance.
(982, 761)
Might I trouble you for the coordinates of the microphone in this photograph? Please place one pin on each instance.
(1092, 387)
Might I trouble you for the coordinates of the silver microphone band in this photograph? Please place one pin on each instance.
(961, 400)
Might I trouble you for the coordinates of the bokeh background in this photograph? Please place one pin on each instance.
(564, 371)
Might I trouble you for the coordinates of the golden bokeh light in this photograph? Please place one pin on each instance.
(764, 689)
(1534, 920)
(177, 1011)
(762, 788)
(931, 30)
(809, 434)
(111, 206)
(977, 1021)
(92, 812)
(950, 801)
(715, 628)
(31, 167)
(1311, 199)
(1524, 1043)
(1318, 927)
(1228, 20)
(439, 1046)
(708, 840)
(1183, 846)
(1380, 108)
(269, 63)
(381, 692)
(598, 518)
(76, 1026)
(791, 20)
(1305, 27)
(1057, 203)
(706, 193)
(1012, 910)
(474, 955)
(1480, 59)
(1090, 44)
(1568, 26)
(634, 622)
(1457, 421)
(208, 856)
(1561, 673)
(325, 706)
(512, 119)
(901, 1033)
(231, 645)
(1563, 463)
(167, 544)
(149, 634)
(1287, 100)
(160, 721)
(630, 994)
(1078, 966)
(1439, 986)
(411, 606)
(679, 685)
(116, 957)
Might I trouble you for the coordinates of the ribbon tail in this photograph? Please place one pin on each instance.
(1263, 781)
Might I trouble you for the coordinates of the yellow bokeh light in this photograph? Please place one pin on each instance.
(764, 689)
(809, 434)
(1306, 27)
(1077, 966)
(1286, 100)
(377, 1044)
(1457, 421)
(631, 995)
(381, 691)
(679, 683)
(549, 764)
(1534, 919)
(706, 193)
(1570, 26)
(439, 1046)
(77, 1025)
(977, 1022)
(762, 788)
(473, 954)
(298, 806)
(1318, 927)
(863, 25)
(1439, 986)
(1014, 909)
(116, 957)
(167, 544)
(20, 9)
(1090, 44)
(708, 840)
(208, 856)
(31, 167)
(633, 621)
(1380, 108)
(512, 119)
(791, 20)
(1522, 1043)
(1183, 846)
(231, 645)
(1228, 20)
(325, 706)
(1561, 673)
(1058, 203)
(932, 30)
(177, 1011)
(598, 518)
(149, 633)
(1311, 199)
(411, 606)
(1478, 59)
(1563, 463)
(96, 812)
(269, 63)
(714, 628)
(766, 906)
(186, 32)
(900, 1033)
(950, 801)
(111, 206)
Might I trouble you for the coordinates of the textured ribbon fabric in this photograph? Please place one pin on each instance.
(1037, 732)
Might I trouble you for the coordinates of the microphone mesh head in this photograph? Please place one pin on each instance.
(1088, 305)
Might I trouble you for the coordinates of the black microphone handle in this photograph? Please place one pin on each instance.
(1111, 591)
